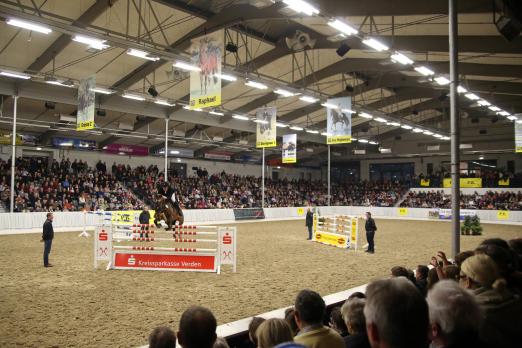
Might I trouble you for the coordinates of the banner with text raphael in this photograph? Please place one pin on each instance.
(518, 136)
(205, 80)
(339, 121)
(266, 127)
(86, 104)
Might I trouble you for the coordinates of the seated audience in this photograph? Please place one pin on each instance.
(502, 309)
(252, 329)
(396, 314)
(197, 328)
(272, 332)
(290, 319)
(353, 315)
(421, 279)
(455, 316)
(337, 322)
(309, 314)
(162, 337)
(221, 343)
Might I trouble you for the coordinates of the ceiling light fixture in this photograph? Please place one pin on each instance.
(365, 115)
(15, 75)
(405, 126)
(494, 108)
(228, 77)
(241, 117)
(330, 106)
(91, 42)
(255, 84)
(363, 141)
(281, 125)
(483, 102)
(472, 96)
(133, 96)
(102, 90)
(424, 71)
(417, 130)
(260, 121)
(186, 66)
(348, 111)
(312, 131)
(217, 113)
(141, 54)
(461, 89)
(441, 80)
(296, 128)
(284, 92)
(308, 99)
(163, 102)
(376, 45)
(29, 25)
(301, 6)
(342, 27)
(427, 132)
(401, 58)
(380, 119)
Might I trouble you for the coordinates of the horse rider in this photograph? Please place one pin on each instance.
(168, 192)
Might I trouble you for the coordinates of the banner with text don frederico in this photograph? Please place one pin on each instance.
(86, 104)
(205, 80)
(266, 127)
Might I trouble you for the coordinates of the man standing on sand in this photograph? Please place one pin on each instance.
(47, 238)
(309, 221)
(370, 228)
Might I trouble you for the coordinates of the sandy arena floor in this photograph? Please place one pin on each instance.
(71, 305)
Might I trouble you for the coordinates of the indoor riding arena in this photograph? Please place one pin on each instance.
(260, 173)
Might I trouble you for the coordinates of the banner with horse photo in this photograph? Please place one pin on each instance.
(266, 127)
(338, 121)
(205, 83)
(86, 104)
(289, 148)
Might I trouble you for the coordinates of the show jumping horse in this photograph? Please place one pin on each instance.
(166, 212)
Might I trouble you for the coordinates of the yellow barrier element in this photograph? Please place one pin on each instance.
(464, 183)
(425, 183)
(502, 214)
(334, 239)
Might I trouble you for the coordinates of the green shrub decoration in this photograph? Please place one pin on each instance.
(471, 226)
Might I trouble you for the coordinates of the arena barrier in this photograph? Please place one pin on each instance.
(187, 248)
(338, 230)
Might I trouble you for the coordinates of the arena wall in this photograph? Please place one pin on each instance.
(75, 221)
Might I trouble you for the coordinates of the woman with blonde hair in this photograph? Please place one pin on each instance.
(502, 326)
(272, 332)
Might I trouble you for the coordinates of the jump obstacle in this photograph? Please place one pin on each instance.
(337, 230)
(130, 245)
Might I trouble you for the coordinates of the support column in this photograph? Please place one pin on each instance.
(455, 128)
(166, 148)
(263, 181)
(329, 189)
(13, 157)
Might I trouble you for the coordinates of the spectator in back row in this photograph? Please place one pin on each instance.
(309, 314)
(162, 337)
(197, 328)
(252, 329)
(396, 314)
(353, 315)
(273, 331)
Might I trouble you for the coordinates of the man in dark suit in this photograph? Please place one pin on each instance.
(47, 238)
(370, 228)
(309, 222)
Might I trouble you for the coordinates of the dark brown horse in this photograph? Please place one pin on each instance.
(166, 212)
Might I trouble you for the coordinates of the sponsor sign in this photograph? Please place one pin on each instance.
(86, 104)
(170, 262)
(445, 214)
(102, 244)
(338, 240)
(503, 182)
(249, 214)
(300, 211)
(266, 130)
(338, 121)
(425, 182)
(129, 217)
(289, 148)
(353, 234)
(205, 83)
(502, 214)
(403, 211)
(433, 214)
(80, 144)
(132, 150)
(518, 137)
(227, 246)
(464, 182)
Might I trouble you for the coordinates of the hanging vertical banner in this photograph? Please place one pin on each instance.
(86, 104)
(339, 121)
(266, 127)
(289, 148)
(205, 82)
(518, 136)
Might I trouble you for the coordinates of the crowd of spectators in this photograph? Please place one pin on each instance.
(490, 200)
(490, 178)
(472, 301)
(64, 186)
(72, 186)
